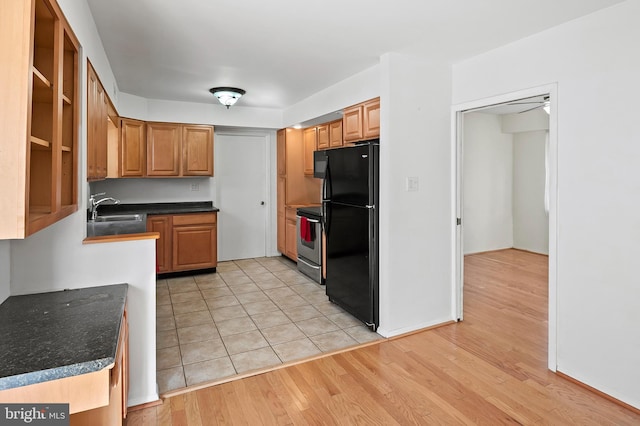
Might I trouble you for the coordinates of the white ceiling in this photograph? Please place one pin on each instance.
(282, 51)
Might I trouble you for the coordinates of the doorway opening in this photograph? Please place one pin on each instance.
(505, 185)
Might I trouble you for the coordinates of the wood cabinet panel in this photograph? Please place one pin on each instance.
(281, 194)
(291, 237)
(164, 143)
(194, 247)
(97, 126)
(162, 225)
(197, 150)
(322, 136)
(335, 134)
(132, 148)
(371, 119)
(187, 241)
(352, 123)
(282, 152)
(39, 117)
(308, 145)
(362, 121)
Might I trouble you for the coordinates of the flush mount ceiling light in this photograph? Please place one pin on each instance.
(227, 95)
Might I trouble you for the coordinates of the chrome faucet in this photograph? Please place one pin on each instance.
(93, 203)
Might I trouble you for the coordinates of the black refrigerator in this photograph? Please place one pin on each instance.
(350, 222)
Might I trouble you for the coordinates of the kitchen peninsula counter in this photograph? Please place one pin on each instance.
(50, 336)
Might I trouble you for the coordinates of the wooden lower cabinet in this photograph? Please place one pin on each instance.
(162, 225)
(291, 237)
(187, 241)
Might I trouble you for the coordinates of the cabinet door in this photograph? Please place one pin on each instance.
(335, 134)
(309, 145)
(323, 136)
(162, 225)
(195, 241)
(291, 249)
(194, 247)
(197, 150)
(132, 148)
(352, 123)
(371, 119)
(92, 111)
(101, 133)
(164, 142)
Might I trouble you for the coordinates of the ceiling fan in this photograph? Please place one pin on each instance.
(537, 102)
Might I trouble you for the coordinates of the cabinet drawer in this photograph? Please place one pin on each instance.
(194, 219)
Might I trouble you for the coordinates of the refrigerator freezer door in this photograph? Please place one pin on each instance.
(349, 282)
(349, 174)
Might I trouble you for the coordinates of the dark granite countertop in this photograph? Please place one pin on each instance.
(49, 336)
(158, 208)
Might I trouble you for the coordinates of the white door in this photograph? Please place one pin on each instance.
(241, 194)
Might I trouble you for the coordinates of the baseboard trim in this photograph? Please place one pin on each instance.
(145, 405)
(599, 392)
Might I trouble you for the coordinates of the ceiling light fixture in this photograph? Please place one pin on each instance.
(227, 95)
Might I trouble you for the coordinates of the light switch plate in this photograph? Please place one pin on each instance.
(412, 183)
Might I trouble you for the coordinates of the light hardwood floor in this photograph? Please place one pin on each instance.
(489, 369)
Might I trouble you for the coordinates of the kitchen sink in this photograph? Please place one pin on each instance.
(117, 224)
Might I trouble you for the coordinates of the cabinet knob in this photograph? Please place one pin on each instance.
(262, 203)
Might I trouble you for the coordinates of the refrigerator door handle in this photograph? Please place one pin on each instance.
(370, 206)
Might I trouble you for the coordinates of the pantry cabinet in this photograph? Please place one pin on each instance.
(39, 117)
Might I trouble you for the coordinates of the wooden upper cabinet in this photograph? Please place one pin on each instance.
(164, 143)
(39, 117)
(132, 148)
(323, 136)
(352, 123)
(371, 119)
(335, 134)
(197, 150)
(309, 145)
(362, 121)
(97, 126)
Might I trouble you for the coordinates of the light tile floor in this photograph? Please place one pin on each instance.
(251, 314)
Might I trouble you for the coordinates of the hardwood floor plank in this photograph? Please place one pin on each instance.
(489, 369)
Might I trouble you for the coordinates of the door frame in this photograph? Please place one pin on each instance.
(457, 146)
(269, 182)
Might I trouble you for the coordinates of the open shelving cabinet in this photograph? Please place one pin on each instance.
(45, 50)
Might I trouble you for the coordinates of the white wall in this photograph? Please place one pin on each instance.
(415, 227)
(488, 184)
(159, 190)
(530, 221)
(5, 269)
(595, 63)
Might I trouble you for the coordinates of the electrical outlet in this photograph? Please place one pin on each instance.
(195, 187)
